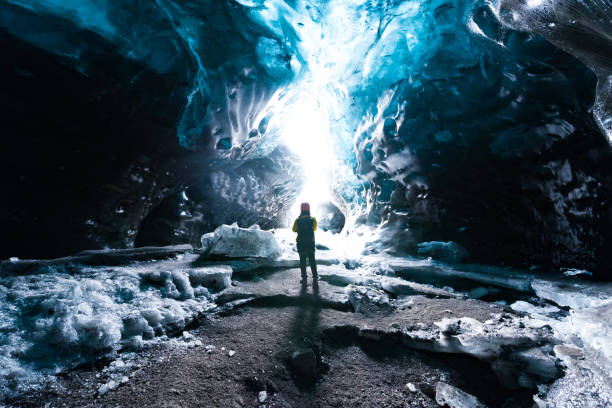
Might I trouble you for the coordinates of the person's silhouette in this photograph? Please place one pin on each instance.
(305, 226)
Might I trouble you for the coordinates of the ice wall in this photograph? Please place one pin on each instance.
(433, 118)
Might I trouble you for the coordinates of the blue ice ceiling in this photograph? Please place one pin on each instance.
(237, 53)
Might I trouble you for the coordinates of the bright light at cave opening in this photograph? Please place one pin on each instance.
(309, 115)
(306, 130)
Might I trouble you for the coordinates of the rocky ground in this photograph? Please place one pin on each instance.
(174, 327)
(308, 347)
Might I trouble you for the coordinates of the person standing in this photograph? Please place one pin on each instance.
(305, 226)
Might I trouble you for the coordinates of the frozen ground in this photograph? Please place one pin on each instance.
(550, 335)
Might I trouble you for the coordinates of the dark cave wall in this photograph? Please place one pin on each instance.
(93, 161)
(84, 158)
(100, 130)
(503, 157)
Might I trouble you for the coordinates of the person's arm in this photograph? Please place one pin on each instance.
(294, 229)
(314, 224)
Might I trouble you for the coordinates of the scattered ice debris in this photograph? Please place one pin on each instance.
(526, 307)
(586, 332)
(189, 340)
(59, 315)
(117, 372)
(231, 353)
(111, 385)
(62, 315)
(262, 396)
(368, 300)
(575, 272)
(443, 251)
(234, 242)
(455, 398)
(401, 287)
(586, 382)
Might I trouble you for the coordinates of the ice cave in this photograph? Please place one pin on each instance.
(456, 161)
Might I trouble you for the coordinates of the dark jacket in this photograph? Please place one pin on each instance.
(305, 226)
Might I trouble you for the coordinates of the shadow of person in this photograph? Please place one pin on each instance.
(303, 291)
(305, 334)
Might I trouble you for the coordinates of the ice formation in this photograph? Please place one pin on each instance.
(235, 242)
(444, 251)
(53, 319)
(448, 129)
(56, 315)
(373, 106)
(455, 398)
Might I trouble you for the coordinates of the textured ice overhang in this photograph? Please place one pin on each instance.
(582, 28)
(392, 108)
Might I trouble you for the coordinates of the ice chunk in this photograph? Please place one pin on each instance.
(234, 242)
(526, 307)
(400, 287)
(455, 398)
(69, 315)
(262, 396)
(540, 363)
(111, 385)
(575, 294)
(575, 272)
(444, 251)
(216, 277)
(368, 300)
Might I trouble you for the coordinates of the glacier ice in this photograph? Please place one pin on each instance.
(388, 91)
(444, 251)
(391, 79)
(368, 300)
(586, 351)
(234, 242)
(454, 397)
(54, 318)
